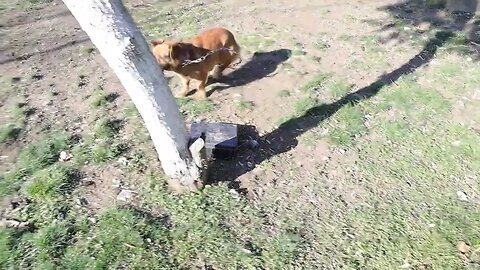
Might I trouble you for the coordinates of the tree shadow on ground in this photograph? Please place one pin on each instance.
(415, 19)
(285, 137)
(26, 56)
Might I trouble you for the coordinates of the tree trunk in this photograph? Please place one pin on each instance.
(113, 31)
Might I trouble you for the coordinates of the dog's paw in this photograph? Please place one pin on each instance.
(181, 95)
(201, 96)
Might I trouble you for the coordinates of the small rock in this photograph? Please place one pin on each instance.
(424, 26)
(65, 156)
(246, 251)
(476, 95)
(125, 195)
(456, 143)
(116, 183)
(48, 103)
(462, 196)
(92, 220)
(123, 160)
(82, 202)
(463, 247)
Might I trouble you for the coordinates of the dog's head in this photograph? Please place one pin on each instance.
(170, 54)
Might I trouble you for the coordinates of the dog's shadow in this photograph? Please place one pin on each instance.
(260, 65)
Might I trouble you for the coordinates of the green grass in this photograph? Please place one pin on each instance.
(87, 50)
(347, 126)
(131, 111)
(255, 42)
(346, 37)
(9, 132)
(371, 45)
(100, 98)
(370, 185)
(193, 108)
(321, 45)
(408, 94)
(283, 93)
(304, 104)
(316, 83)
(245, 105)
(5, 243)
(32, 158)
(339, 88)
(106, 128)
(161, 18)
(48, 183)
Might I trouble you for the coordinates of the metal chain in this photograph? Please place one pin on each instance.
(201, 59)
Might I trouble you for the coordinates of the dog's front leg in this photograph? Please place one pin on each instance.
(202, 93)
(186, 86)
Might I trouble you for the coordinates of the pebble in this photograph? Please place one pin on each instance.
(125, 195)
(462, 196)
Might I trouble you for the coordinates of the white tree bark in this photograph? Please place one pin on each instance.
(113, 31)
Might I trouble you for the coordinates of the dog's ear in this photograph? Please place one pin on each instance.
(180, 51)
(156, 42)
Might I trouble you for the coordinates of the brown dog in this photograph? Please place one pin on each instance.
(174, 56)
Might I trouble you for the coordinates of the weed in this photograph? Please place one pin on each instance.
(9, 133)
(345, 37)
(103, 151)
(283, 93)
(348, 125)
(308, 139)
(339, 88)
(316, 83)
(304, 104)
(408, 92)
(88, 50)
(138, 162)
(195, 108)
(121, 237)
(32, 158)
(287, 66)
(52, 240)
(298, 52)
(100, 98)
(255, 42)
(245, 105)
(106, 128)
(321, 45)
(5, 244)
(371, 45)
(131, 111)
(49, 183)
